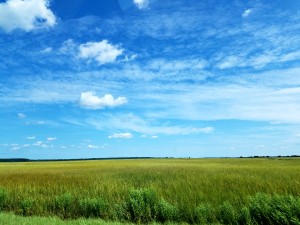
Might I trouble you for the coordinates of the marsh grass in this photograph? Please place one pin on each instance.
(201, 191)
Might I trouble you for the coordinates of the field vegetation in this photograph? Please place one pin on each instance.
(202, 191)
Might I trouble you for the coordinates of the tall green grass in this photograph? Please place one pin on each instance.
(202, 191)
(145, 206)
(11, 219)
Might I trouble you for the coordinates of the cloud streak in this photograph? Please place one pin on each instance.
(136, 124)
(121, 136)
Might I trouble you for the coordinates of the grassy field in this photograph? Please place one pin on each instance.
(121, 187)
(11, 219)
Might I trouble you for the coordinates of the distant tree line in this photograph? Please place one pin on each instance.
(279, 156)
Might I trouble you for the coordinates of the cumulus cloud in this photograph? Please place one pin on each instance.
(25, 15)
(121, 136)
(90, 101)
(102, 52)
(141, 4)
(247, 12)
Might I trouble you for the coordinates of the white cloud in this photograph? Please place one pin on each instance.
(38, 143)
(30, 138)
(90, 101)
(177, 65)
(47, 50)
(141, 4)
(135, 124)
(93, 146)
(102, 52)
(26, 15)
(229, 62)
(21, 115)
(68, 47)
(154, 137)
(206, 130)
(290, 56)
(51, 139)
(256, 62)
(261, 61)
(121, 136)
(247, 12)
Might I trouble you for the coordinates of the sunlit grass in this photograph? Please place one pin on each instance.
(184, 183)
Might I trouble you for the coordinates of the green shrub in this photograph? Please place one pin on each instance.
(227, 214)
(244, 216)
(3, 198)
(142, 205)
(166, 212)
(204, 214)
(120, 212)
(277, 209)
(286, 209)
(64, 206)
(26, 207)
(94, 208)
(260, 208)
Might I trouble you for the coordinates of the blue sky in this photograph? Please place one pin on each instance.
(180, 78)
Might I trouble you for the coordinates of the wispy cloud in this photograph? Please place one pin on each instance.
(21, 115)
(30, 138)
(136, 124)
(249, 96)
(90, 101)
(51, 139)
(26, 15)
(47, 50)
(121, 136)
